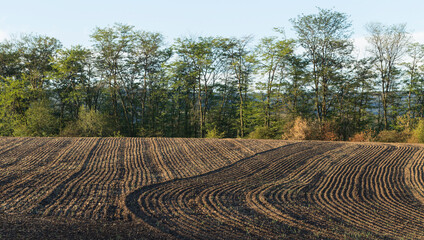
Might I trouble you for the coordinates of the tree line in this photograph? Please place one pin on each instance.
(131, 83)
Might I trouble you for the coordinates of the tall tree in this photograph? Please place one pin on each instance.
(273, 55)
(294, 86)
(242, 63)
(149, 55)
(37, 52)
(10, 60)
(388, 45)
(72, 81)
(205, 59)
(325, 39)
(15, 97)
(415, 53)
(112, 46)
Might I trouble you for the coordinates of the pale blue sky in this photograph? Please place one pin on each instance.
(73, 21)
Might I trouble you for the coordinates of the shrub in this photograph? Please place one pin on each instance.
(329, 131)
(39, 121)
(392, 136)
(262, 133)
(71, 130)
(364, 136)
(315, 130)
(90, 123)
(298, 131)
(403, 123)
(214, 133)
(143, 132)
(418, 133)
(93, 123)
(324, 131)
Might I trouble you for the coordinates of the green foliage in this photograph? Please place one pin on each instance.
(418, 132)
(325, 38)
(39, 121)
(388, 43)
(214, 133)
(143, 132)
(93, 123)
(263, 133)
(132, 84)
(71, 80)
(14, 101)
(90, 123)
(403, 123)
(273, 55)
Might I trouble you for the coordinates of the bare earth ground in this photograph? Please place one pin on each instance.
(161, 188)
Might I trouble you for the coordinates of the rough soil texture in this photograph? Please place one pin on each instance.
(162, 188)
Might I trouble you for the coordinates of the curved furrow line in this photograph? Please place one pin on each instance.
(8, 143)
(228, 150)
(332, 197)
(42, 157)
(59, 205)
(342, 205)
(64, 173)
(414, 175)
(215, 199)
(136, 172)
(20, 153)
(171, 202)
(227, 204)
(274, 198)
(203, 160)
(295, 190)
(8, 146)
(156, 165)
(219, 189)
(184, 219)
(195, 165)
(174, 162)
(210, 154)
(260, 203)
(181, 156)
(164, 200)
(392, 173)
(366, 204)
(107, 175)
(110, 207)
(165, 158)
(160, 203)
(300, 176)
(160, 159)
(344, 173)
(395, 209)
(152, 172)
(106, 205)
(39, 182)
(392, 165)
(216, 193)
(329, 200)
(28, 164)
(104, 174)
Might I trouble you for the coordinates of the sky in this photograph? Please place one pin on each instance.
(73, 21)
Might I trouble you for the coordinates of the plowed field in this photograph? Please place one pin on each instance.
(209, 189)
